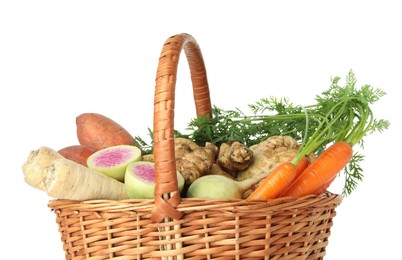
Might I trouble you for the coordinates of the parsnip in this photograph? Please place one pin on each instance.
(38, 160)
(65, 179)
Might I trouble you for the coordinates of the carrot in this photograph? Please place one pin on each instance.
(275, 183)
(98, 131)
(77, 153)
(61, 178)
(324, 187)
(301, 165)
(323, 169)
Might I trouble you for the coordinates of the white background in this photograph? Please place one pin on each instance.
(59, 59)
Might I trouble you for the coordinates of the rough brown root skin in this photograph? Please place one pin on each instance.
(234, 157)
(217, 170)
(148, 158)
(193, 161)
(38, 160)
(268, 155)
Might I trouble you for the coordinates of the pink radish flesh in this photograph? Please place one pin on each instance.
(145, 172)
(112, 158)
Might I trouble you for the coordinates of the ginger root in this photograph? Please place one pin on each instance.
(217, 170)
(148, 157)
(234, 157)
(269, 154)
(193, 161)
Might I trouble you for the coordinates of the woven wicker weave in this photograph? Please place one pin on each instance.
(170, 227)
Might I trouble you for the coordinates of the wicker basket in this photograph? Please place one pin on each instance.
(170, 227)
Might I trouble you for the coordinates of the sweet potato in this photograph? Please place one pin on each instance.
(77, 153)
(98, 131)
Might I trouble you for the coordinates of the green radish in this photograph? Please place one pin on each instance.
(139, 180)
(221, 187)
(112, 161)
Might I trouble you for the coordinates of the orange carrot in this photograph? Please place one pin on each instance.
(324, 187)
(324, 168)
(275, 183)
(302, 165)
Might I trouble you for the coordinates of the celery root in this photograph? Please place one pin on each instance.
(65, 179)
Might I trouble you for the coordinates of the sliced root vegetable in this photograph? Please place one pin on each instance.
(65, 179)
(98, 131)
(140, 180)
(77, 153)
(113, 161)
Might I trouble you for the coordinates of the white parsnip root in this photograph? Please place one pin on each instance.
(65, 179)
(36, 162)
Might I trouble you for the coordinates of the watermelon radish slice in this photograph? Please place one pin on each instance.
(140, 180)
(112, 161)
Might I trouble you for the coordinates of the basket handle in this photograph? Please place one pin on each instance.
(166, 194)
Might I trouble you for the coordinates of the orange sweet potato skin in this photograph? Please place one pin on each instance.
(77, 153)
(98, 131)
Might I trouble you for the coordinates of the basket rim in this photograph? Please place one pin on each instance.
(190, 204)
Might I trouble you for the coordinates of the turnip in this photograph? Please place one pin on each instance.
(221, 187)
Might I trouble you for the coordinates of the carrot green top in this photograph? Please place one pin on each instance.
(341, 113)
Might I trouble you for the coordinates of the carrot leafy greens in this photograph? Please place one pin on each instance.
(340, 114)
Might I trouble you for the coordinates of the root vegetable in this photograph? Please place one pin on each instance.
(77, 153)
(193, 161)
(113, 161)
(269, 154)
(140, 180)
(148, 158)
(234, 157)
(183, 146)
(220, 187)
(217, 170)
(65, 179)
(301, 165)
(98, 131)
(275, 183)
(36, 161)
(322, 171)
